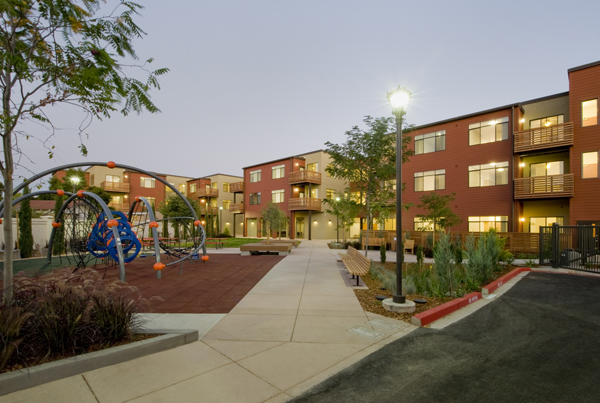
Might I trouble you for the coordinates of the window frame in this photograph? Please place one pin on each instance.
(226, 187)
(255, 176)
(254, 197)
(436, 173)
(435, 136)
(547, 117)
(278, 196)
(597, 165)
(143, 179)
(278, 172)
(479, 221)
(193, 188)
(504, 120)
(588, 100)
(497, 166)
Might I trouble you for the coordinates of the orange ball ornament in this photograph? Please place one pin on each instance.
(60, 192)
(153, 224)
(137, 198)
(197, 223)
(111, 164)
(112, 223)
(55, 224)
(0, 220)
(158, 266)
(205, 258)
(80, 193)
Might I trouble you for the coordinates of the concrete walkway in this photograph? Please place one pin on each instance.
(297, 327)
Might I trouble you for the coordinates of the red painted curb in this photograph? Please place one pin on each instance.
(494, 285)
(433, 314)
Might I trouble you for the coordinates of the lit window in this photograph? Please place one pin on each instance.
(430, 180)
(168, 189)
(192, 188)
(536, 222)
(313, 167)
(422, 225)
(482, 224)
(430, 142)
(330, 194)
(114, 178)
(590, 165)
(278, 172)
(589, 113)
(147, 183)
(277, 196)
(488, 132)
(545, 122)
(255, 176)
(182, 188)
(488, 174)
(327, 173)
(226, 204)
(151, 200)
(225, 187)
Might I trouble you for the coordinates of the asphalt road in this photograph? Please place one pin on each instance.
(539, 342)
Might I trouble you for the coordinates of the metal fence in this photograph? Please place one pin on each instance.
(571, 247)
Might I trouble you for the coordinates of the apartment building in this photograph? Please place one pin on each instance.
(298, 184)
(515, 167)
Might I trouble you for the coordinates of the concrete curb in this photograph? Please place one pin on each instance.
(433, 314)
(494, 285)
(18, 380)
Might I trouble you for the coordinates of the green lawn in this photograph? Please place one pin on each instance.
(36, 266)
(236, 242)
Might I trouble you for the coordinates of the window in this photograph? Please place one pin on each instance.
(430, 180)
(277, 196)
(92, 180)
(255, 176)
(254, 198)
(488, 132)
(192, 188)
(314, 193)
(147, 183)
(225, 187)
(313, 167)
(182, 188)
(226, 204)
(547, 168)
(327, 173)
(488, 174)
(115, 178)
(215, 185)
(536, 222)
(151, 200)
(590, 165)
(278, 172)
(391, 185)
(422, 225)
(213, 202)
(168, 189)
(330, 194)
(430, 142)
(482, 224)
(589, 113)
(545, 122)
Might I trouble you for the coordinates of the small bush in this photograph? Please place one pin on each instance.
(420, 255)
(382, 254)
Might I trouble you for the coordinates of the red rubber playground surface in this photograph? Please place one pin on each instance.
(212, 287)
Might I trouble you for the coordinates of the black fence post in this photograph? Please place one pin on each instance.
(555, 246)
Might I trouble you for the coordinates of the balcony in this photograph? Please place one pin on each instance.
(304, 203)
(546, 137)
(207, 192)
(237, 187)
(115, 187)
(236, 208)
(204, 210)
(124, 207)
(544, 187)
(305, 177)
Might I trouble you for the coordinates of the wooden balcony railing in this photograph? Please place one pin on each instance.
(115, 187)
(236, 208)
(204, 210)
(124, 207)
(236, 187)
(544, 137)
(207, 192)
(543, 187)
(304, 203)
(305, 176)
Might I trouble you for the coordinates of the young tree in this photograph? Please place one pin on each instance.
(174, 206)
(439, 211)
(273, 217)
(345, 209)
(366, 161)
(70, 53)
(25, 233)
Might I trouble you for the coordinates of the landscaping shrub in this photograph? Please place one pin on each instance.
(382, 254)
(387, 277)
(420, 255)
(64, 313)
(444, 267)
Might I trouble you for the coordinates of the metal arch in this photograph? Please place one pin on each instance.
(83, 164)
(154, 230)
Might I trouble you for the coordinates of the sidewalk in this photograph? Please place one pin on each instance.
(298, 326)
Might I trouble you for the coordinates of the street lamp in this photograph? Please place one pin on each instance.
(221, 219)
(399, 99)
(75, 180)
(337, 217)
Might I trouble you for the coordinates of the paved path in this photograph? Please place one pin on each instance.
(537, 343)
(298, 326)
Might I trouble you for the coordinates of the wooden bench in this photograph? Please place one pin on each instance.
(281, 248)
(373, 242)
(409, 244)
(293, 242)
(356, 263)
(349, 254)
(218, 242)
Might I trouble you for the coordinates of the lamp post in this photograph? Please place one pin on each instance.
(221, 219)
(337, 218)
(399, 99)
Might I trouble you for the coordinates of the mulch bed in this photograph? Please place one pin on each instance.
(370, 304)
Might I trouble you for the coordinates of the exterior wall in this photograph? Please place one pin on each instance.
(135, 188)
(456, 159)
(226, 218)
(177, 181)
(543, 109)
(584, 85)
(100, 173)
(545, 208)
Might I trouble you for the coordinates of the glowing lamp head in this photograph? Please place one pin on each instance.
(153, 224)
(337, 199)
(75, 179)
(158, 266)
(399, 99)
(522, 219)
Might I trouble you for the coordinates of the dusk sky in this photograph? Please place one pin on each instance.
(253, 81)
